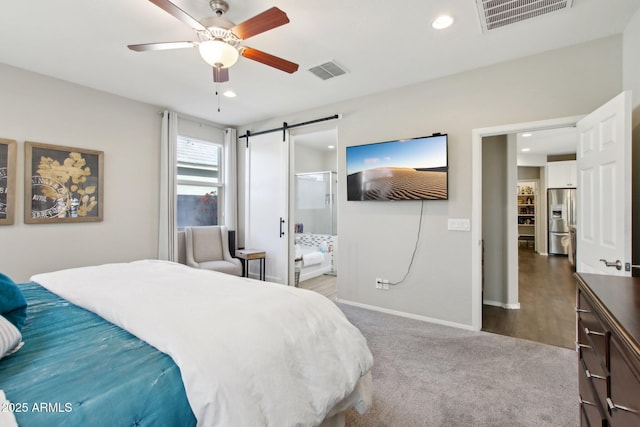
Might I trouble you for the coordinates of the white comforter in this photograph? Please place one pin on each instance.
(250, 353)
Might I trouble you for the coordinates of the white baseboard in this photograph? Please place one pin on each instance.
(408, 315)
(515, 306)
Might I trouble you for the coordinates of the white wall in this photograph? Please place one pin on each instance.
(377, 238)
(316, 156)
(532, 159)
(46, 110)
(308, 159)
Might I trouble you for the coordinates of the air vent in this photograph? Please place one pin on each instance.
(498, 13)
(328, 70)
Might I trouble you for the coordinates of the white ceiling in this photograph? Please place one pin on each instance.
(383, 45)
(548, 142)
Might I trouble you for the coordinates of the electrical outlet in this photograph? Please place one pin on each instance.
(382, 284)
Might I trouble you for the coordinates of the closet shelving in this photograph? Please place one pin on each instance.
(526, 212)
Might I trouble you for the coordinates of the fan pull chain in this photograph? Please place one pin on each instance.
(218, 95)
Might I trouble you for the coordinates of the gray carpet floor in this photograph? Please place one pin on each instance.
(432, 375)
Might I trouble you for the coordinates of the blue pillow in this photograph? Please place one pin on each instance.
(13, 306)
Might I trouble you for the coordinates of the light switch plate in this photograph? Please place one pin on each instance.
(459, 224)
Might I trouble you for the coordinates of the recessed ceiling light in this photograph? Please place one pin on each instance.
(331, 147)
(442, 22)
(526, 135)
(524, 150)
(229, 93)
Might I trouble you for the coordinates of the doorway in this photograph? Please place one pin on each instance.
(540, 306)
(538, 303)
(510, 239)
(314, 210)
(270, 223)
(603, 169)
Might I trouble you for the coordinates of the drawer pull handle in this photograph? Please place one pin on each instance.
(590, 375)
(582, 310)
(590, 332)
(613, 407)
(586, 402)
(579, 345)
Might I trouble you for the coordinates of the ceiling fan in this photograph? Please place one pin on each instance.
(219, 40)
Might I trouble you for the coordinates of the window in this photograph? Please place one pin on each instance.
(200, 183)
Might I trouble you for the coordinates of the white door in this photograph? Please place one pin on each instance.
(267, 203)
(604, 189)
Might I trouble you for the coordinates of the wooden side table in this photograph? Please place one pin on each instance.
(246, 255)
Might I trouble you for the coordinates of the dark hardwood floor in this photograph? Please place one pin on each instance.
(547, 292)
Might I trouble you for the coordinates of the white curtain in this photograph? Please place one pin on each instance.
(230, 180)
(167, 234)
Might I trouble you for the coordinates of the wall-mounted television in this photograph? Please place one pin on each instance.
(405, 169)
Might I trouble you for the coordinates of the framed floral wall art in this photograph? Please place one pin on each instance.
(7, 180)
(62, 184)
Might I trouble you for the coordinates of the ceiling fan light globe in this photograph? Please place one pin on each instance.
(218, 53)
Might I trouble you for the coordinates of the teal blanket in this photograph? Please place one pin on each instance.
(76, 369)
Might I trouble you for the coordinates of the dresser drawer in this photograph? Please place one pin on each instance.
(590, 406)
(608, 336)
(624, 402)
(589, 416)
(593, 364)
(591, 350)
(591, 330)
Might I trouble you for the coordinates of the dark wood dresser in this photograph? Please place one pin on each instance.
(608, 344)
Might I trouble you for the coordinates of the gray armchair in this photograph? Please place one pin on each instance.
(207, 247)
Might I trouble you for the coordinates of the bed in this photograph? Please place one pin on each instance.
(154, 343)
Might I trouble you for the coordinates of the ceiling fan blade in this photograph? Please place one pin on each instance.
(220, 75)
(260, 23)
(270, 60)
(161, 46)
(178, 13)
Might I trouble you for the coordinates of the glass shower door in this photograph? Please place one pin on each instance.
(315, 203)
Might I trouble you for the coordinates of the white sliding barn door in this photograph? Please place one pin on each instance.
(604, 189)
(267, 203)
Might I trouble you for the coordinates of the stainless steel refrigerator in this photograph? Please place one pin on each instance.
(561, 213)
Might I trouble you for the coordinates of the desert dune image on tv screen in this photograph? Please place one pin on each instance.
(413, 169)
